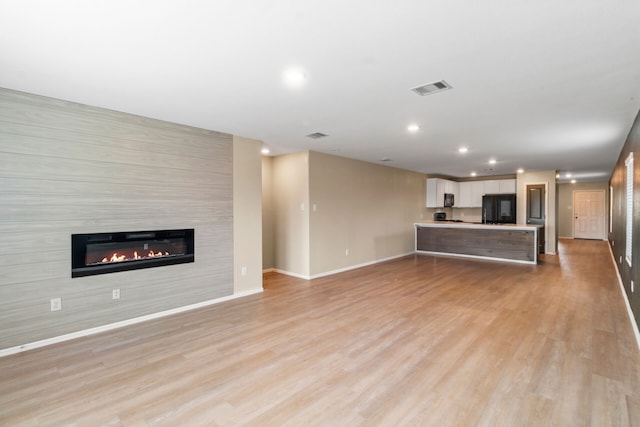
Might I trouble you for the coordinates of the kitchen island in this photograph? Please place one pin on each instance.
(502, 242)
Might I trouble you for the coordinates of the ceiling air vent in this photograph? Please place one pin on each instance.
(317, 135)
(430, 88)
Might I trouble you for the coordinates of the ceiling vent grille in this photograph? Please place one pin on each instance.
(317, 135)
(430, 88)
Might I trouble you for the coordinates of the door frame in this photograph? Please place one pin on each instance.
(546, 209)
(604, 212)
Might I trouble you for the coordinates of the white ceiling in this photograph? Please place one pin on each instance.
(536, 84)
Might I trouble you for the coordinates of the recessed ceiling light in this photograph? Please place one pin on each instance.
(557, 175)
(492, 161)
(573, 181)
(568, 175)
(520, 170)
(265, 151)
(463, 150)
(294, 77)
(473, 174)
(413, 128)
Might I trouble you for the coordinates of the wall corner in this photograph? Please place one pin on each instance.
(247, 215)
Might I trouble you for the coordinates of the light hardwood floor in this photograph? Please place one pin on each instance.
(423, 340)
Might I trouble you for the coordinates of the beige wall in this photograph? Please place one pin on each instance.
(361, 207)
(291, 205)
(268, 218)
(565, 205)
(543, 177)
(324, 206)
(247, 215)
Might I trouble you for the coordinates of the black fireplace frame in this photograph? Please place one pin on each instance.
(79, 244)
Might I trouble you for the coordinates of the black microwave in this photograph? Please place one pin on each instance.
(448, 200)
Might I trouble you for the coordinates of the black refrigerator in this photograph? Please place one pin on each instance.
(499, 208)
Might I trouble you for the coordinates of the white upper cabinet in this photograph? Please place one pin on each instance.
(464, 191)
(477, 188)
(491, 186)
(507, 186)
(468, 194)
(500, 186)
(436, 188)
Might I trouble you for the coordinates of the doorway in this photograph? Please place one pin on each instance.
(588, 214)
(536, 210)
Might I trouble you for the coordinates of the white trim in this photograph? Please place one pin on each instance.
(546, 212)
(610, 210)
(268, 270)
(629, 171)
(449, 254)
(292, 274)
(340, 270)
(632, 318)
(121, 324)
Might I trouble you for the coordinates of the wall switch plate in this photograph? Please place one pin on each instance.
(115, 294)
(346, 252)
(632, 290)
(244, 270)
(56, 304)
(302, 206)
(315, 208)
(620, 262)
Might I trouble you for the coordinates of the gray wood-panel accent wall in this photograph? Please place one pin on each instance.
(508, 244)
(69, 168)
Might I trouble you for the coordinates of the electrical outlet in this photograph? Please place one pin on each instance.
(302, 206)
(613, 243)
(56, 304)
(315, 208)
(115, 294)
(244, 270)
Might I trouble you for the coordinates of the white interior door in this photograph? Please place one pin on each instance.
(588, 214)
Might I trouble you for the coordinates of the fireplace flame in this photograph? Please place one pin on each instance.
(119, 258)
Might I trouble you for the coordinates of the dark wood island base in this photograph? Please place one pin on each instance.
(513, 243)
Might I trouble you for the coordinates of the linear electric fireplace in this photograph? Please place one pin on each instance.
(110, 252)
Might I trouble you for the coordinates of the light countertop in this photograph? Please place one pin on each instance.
(470, 225)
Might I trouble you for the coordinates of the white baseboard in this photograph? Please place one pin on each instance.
(121, 324)
(340, 270)
(268, 270)
(292, 274)
(632, 318)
